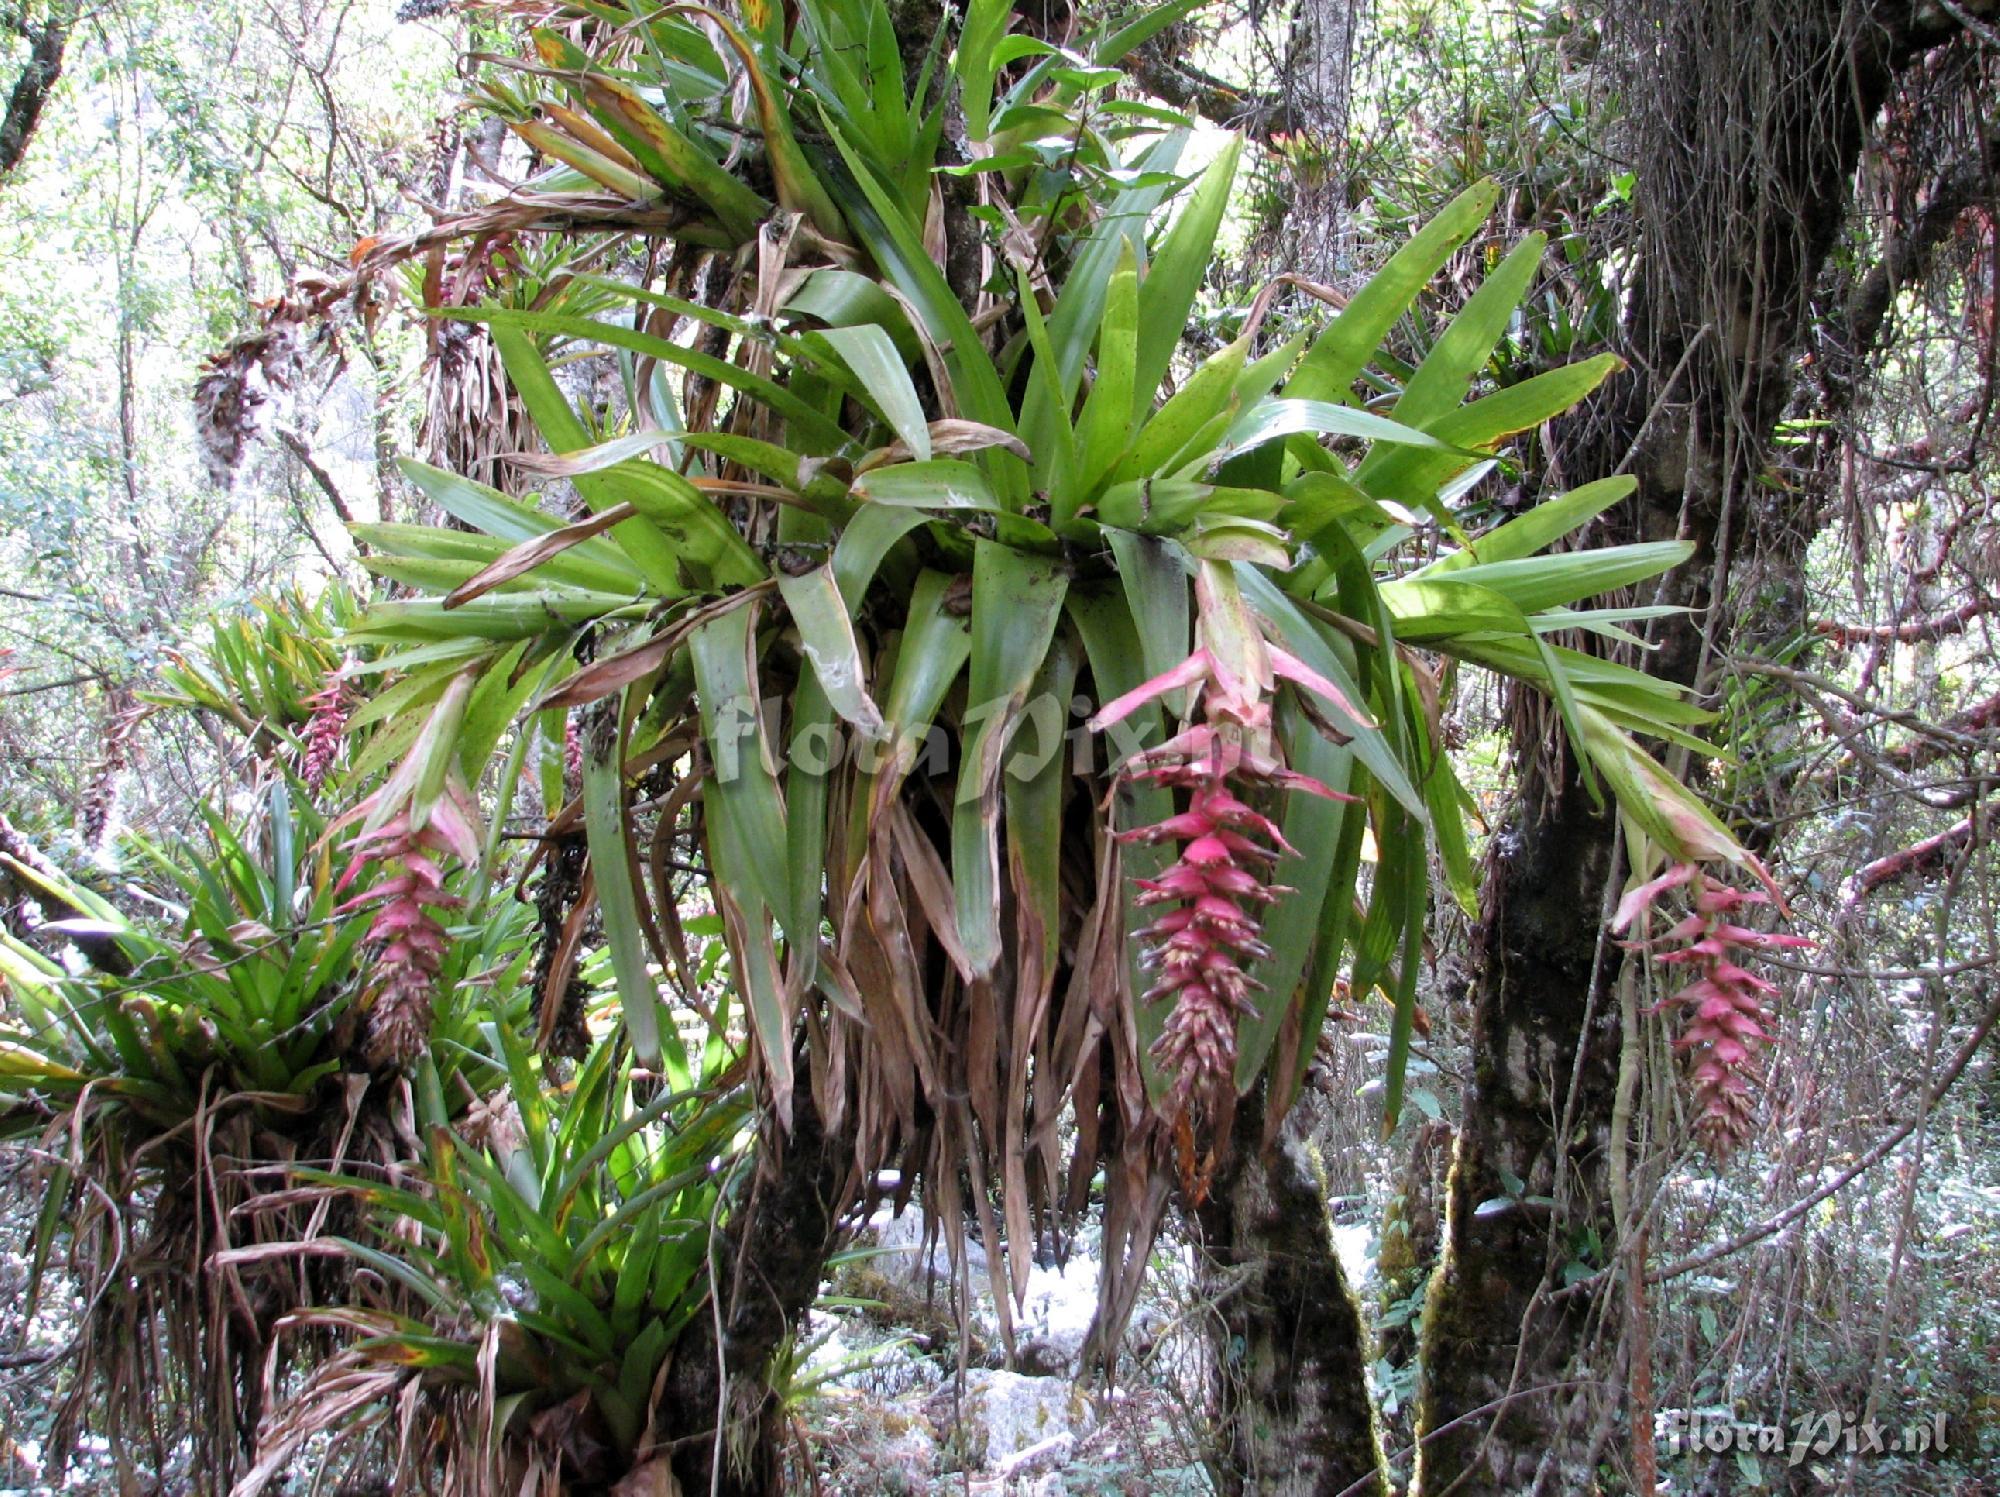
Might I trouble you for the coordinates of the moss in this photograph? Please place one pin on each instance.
(1300, 1415)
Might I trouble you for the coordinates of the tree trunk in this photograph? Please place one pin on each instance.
(37, 83)
(1749, 121)
(1490, 1328)
(1291, 1354)
(768, 1258)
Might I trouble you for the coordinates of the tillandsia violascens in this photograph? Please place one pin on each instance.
(422, 816)
(326, 730)
(1725, 1022)
(1200, 947)
(408, 938)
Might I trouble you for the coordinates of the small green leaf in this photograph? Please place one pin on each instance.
(872, 355)
(827, 636)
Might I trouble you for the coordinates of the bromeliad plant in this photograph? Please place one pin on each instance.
(1724, 1022)
(905, 458)
(532, 1288)
(168, 1067)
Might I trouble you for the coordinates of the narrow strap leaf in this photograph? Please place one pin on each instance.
(1016, 601)
(605, 830)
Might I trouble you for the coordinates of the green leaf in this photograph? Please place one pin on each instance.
(1338, 355)
(502, 691)
(943, 483)
(1121, 226)
(477, 505)
(1108, 410)
(1401, 888)
(1156, 591)
(1485, 424)
(805, 424)
(1050, 432)
(1167, 293)
(809, 761)
(1450, 805)
(798, 184)
(846, 298)
(935, 645)
(827, 636)
(1186, 428)
(673, 160)
(1428, 612)
(1016, 601)
(1135, 33)
(1533, 583)
(1295, 923)
(869, 352)
(607, 834)
(700, 535)
(1371, 746)
(1271, 419)
(1533, 532)
(746, 810)
(1117, 667)
(898, 246)
(974, 62)
(864, 541)
(1440, 384)
(1037, 771)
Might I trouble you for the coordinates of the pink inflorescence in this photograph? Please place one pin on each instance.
(1202, 946)
(326, 730)
(409, 940)
(1199, 948)
(1725, 1023)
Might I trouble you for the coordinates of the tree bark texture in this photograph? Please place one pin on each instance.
(1490, 1328)
(32, 90)
(768, 1260)
(1749, 121)
(1291, 1352)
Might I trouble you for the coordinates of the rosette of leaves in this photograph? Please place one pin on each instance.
(534, 1268)
(166, 1089)
(258, 669)
(917, 465)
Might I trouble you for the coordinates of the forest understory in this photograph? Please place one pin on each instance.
(865, 746)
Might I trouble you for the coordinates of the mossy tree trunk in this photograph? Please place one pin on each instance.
(1491, 1327)
(1291, 1353)
(1748, 120)
(769, 1259)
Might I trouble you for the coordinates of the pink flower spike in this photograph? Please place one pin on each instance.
(1208, 851)
(1297, 671)
(1637, 899)
(1715, 898)
(1181, 881)
(1291, 779)
(1177, 828)
(1729, 974)
(1743, 936)
(453, 823)
(1195, 668)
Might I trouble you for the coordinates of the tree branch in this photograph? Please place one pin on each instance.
(1160, 71)
(1918, 857)
(1910, 631)
(32, 89)
(1959, 186)
(296, 445)
(1980, 717)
